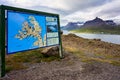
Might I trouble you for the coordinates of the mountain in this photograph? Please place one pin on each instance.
(110, 22)
(99, 23)
(96, 23)
(72, 25)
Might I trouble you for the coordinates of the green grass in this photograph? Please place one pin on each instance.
(96, 30)
(104, 59)
(15, 61)
(116, 63)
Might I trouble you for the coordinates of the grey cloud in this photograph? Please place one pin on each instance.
(50, 10)
(110, 12)
(76, 6)
(83, 4)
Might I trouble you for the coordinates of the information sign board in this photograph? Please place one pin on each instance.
(26, 31)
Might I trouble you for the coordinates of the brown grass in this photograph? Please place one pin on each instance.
(90, 50)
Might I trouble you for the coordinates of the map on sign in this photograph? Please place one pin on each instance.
(33, 31)
(30, 31)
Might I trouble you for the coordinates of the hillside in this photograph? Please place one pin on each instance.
(115, 30)
(72, 26)
(98, 25)
(85, 59)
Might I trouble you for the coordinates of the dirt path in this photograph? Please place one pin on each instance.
(69, 68)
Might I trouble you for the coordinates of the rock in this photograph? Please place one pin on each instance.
(97, 39)
(61, 32)
(51, 51)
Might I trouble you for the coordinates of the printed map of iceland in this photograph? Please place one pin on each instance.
(32, 29)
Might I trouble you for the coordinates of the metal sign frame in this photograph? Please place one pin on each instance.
(3, 35)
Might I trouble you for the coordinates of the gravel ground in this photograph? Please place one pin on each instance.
(69, 68)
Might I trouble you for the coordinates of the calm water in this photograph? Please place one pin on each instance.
(104, 37)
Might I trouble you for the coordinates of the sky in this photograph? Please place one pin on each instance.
(72, 10)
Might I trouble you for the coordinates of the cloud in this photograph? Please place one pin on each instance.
(56, 4)
(72, 10)
(64, 5)
(108, 10)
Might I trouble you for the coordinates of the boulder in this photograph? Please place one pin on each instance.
(51, 51)
(61, 32)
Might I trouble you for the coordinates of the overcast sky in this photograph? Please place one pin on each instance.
(72, 10)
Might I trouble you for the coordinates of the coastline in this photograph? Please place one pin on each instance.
(111, 38)
(90, 31)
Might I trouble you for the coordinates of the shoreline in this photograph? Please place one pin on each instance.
(110, 38)
(94, 33)
(92, 49)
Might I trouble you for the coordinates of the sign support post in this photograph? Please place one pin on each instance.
(60, 41)
(2, 40)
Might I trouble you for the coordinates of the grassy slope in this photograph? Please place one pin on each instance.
(16, 61)
(88, 51)
(96, 30)
(92, 50)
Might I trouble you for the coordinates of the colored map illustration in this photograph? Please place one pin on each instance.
(25, 31)
(29, 31)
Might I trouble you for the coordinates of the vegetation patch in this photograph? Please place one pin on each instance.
(16, 61)
(98, 30)
(90, 50)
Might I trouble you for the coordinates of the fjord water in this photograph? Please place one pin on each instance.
(111, 38)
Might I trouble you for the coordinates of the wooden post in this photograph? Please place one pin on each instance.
(60, 40)
(2, 39)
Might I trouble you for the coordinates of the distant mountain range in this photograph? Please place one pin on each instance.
(95, 23)
(72, 25)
